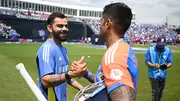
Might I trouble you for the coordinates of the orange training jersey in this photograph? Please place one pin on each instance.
(119, 66)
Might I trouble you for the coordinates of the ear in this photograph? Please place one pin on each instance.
(49, 28)
(108, 23)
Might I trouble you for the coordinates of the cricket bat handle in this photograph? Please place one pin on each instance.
(21, 68)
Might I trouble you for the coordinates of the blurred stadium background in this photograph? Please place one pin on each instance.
(23, 29)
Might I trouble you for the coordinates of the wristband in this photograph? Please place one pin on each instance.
(67, 76)
(70, 81)
(88, 75)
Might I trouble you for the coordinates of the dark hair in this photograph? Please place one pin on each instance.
(120, 13)
(54, 15)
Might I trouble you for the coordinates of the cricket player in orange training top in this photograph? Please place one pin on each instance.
(119, 65)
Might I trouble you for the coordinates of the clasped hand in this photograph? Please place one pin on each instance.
(78, 68)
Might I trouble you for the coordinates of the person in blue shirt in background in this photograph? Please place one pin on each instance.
(158, 59)
(52, 61)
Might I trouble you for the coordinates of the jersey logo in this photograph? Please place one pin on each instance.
(63, 69)
(116, 74)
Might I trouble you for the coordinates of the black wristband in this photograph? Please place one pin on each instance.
(67, 76)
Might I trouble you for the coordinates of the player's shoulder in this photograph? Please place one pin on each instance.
(51, 44)
(168, 49)
(118, 48)
(151, 48)
(47, 46)
(64, 47)
(122, 48)
(148, 49)
(118, 52)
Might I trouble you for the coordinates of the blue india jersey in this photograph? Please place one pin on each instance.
(52, 59)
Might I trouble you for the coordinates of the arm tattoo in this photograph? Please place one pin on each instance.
(55, 80)
(123, 93)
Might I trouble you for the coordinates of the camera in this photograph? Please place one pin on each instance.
(163, 67)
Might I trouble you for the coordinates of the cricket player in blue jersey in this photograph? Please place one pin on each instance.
(158, 59)
(52, 61)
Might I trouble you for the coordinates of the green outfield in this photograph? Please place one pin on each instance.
(14, 88)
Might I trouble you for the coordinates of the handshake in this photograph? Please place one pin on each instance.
(78, 68)
(162, 67)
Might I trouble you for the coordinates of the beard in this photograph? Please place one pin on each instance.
(60, 35)
(101, 34)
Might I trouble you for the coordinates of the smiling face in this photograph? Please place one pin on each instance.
(58, 29)
(57, 25)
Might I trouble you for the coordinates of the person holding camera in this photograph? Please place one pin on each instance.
(158, 59)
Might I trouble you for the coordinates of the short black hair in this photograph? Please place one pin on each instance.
(120, 13)
(54, 15)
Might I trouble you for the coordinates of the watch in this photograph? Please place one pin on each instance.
(67, 76)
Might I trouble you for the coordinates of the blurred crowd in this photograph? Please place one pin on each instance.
(148, 33)
(137, 33)
(142, 33)
(94, 24)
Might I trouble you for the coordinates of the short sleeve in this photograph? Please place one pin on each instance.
(133, 68)
(46, 60)
(148, 56)
(169, 60)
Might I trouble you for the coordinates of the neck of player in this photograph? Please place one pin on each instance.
(58, 42)
(112, 38)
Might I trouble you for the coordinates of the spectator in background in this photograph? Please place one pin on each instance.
(158, 59)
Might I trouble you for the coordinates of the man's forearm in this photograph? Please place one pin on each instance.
(90, 77)
(75, 84)
(150, 64)
(53, 80)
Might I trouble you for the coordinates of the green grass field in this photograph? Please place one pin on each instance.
(14, 88)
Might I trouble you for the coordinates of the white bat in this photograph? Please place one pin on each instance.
(20, 67)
